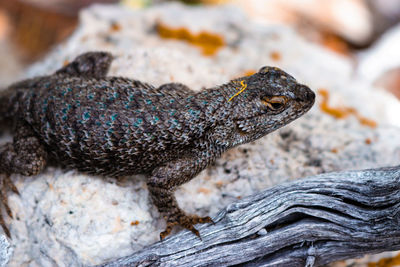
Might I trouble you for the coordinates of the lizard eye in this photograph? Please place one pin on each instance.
(274, 102)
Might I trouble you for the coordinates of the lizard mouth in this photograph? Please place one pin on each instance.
(241, 127)
(244, 125)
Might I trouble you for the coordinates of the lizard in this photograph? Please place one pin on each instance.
(82, 119)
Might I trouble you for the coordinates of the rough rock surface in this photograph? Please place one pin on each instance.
(5, 251)
(383, 56)
(68, 219)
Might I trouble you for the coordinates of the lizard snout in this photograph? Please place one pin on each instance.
(305, 94)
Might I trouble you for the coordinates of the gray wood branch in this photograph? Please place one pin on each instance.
(307, 222)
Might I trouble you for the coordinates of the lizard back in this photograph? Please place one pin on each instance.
(89, 123)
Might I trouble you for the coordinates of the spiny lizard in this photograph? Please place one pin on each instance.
(114, 126)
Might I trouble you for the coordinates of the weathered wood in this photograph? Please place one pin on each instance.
(307, 222)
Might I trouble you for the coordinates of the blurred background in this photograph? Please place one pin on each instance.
(30, 28)
(365, 31)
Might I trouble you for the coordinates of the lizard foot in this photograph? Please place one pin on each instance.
(5, 186)
(185, 221)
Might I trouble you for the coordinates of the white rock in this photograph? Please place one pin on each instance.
(5, 251)
(68, 219)
(383, 56)
(350, 19)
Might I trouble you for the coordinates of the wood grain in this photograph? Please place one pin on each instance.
(307, 222)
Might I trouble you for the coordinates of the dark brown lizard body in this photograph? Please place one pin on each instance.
(114, 126)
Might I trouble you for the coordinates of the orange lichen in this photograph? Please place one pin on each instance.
(275, 55)
(366, 121)
(134, 223)
(342, 112)
(118, 225)
(219, 184)
(368, 141)
(334, 150)
(210, 43)
(203, 190)
(115, 27)
(335, 43)
(386, 262)
(337, 112)
(249, 72)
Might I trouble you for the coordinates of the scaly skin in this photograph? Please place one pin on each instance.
(114, 126)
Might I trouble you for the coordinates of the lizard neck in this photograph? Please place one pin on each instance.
(215, 102)
(218, 113)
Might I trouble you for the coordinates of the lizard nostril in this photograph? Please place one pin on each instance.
(305, 93)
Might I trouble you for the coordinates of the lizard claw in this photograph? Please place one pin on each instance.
(185, 221)
(5, 185)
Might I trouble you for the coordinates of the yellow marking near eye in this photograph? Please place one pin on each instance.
(244, 86)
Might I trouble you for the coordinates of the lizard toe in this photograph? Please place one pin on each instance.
(196, 219)
(167, 231)
(184, 221)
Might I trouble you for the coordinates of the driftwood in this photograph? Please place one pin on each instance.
(307, 222)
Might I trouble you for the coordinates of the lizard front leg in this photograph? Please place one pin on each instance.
(26, 156)
(90, 64)
(163, 182)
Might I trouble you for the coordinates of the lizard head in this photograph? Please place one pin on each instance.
(264, 102)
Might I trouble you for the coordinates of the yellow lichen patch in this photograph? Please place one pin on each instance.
(342, 112)
(386, 262)
(210, 43)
